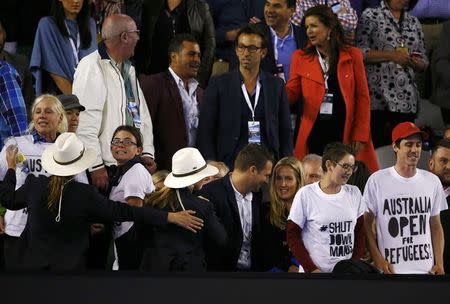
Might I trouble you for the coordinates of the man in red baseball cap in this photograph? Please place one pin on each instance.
(406, 203)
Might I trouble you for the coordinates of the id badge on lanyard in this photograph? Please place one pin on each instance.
(254, 127)
(75, 45)
(326, 107)
(280, 67)
(134, 112)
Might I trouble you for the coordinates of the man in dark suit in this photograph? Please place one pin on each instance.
(439, 164)
(172, 99)
(244, 106)
(237, 201)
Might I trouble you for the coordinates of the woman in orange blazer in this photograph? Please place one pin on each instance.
(337, 109)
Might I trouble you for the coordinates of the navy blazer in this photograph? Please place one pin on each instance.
(220, 114)
(220, 192)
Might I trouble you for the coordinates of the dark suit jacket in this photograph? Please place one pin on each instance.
(62, 246)
(221, 194)
(220, 113)
(166, 109)
(173, 248)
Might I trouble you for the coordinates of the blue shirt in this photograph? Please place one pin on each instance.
(13, 121)
(432, 9)
(283, 49)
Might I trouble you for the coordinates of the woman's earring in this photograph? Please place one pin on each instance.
(328, 38)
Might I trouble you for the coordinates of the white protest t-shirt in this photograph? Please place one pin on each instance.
(403, 207)
(15, 220)
(328, 222)
(135, 182)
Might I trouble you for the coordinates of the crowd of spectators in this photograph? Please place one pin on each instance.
(224, 135)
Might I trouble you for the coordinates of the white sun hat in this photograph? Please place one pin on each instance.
(67, 156)
(188, 167)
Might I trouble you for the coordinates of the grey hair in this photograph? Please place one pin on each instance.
(312, 157)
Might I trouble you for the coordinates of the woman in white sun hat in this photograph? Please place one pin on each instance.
(61, 209)
(171, 248)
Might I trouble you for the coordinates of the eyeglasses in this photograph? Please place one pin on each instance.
(124, 142)
(133, 31)
(348, 167)
(250, 48)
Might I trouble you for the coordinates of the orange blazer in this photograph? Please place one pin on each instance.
(306, 85)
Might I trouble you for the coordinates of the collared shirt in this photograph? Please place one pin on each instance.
(348, 19)
(244, 204)
(283, 49)
(38, 138)
(432, 9)
(190, 106)
(12, 105)
(392, 88)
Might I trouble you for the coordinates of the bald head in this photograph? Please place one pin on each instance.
(116, 24)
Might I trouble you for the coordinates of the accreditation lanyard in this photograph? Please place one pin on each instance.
(325, 68)
(75, 45)
(247, 98)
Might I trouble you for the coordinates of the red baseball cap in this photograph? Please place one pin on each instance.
(404, 130)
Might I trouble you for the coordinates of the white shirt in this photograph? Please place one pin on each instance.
(190, 106)
(244, 204)
(328, 222)
(136, 182)
(403, 208)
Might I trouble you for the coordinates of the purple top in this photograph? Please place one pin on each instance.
(432, 9)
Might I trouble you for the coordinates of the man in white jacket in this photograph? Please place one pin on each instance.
(106, 85)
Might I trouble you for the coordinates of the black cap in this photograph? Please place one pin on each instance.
(70, 101)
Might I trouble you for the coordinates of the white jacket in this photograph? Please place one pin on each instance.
(100, 87)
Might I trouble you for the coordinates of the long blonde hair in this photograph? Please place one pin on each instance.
(278, 212)
(162, 198)
(55, 186)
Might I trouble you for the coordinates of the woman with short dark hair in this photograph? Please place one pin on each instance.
(325, 224)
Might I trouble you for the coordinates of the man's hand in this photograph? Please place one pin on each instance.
(2, 225)
(97, 228)
(437, 269)
(254, 20)
(100, 179)
(357, 145)
(149, 164)
(231, 35)
(384, 266)
(186, 220)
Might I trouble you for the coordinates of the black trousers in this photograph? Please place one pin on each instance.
(129, 253)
